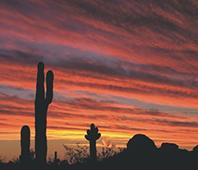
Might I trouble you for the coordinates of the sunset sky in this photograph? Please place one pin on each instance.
(129, 66)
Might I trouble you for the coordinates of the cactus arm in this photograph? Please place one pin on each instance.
(49, 86)
(98, 136)
(87, 137)
(88, 132)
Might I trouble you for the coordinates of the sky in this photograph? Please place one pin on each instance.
(129, 66)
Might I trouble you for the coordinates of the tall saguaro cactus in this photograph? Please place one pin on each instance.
(92, 136)
(25, 145)
(42, 102)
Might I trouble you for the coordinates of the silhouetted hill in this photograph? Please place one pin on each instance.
(141, 144)
(169, 147)
(195, 149)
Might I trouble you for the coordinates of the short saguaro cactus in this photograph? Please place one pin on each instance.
(92, 136)
(25, 145)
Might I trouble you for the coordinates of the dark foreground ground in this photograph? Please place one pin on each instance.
(156, 161)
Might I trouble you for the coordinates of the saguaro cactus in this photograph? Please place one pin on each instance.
(92, 136)
(42, 102)
(25, 145)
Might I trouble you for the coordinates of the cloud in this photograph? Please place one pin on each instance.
(134, 62)
(178, 123)
(19, 56)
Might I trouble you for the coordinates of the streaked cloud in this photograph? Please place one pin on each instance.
(116, 63)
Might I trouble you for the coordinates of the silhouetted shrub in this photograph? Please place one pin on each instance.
(76, 154)
(108, 152)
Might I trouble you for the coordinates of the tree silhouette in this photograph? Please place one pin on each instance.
(42, 102)
(92, 136)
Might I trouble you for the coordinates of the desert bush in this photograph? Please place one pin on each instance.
(108, 152)
(76, 154)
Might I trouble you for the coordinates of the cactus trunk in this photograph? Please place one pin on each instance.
(42, 102)
(25, 145)
(92, 148)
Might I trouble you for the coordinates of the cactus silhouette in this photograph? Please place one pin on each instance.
(42, 102)
(56, 160)
(25, 145)
(92, 136)
(55, 156)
